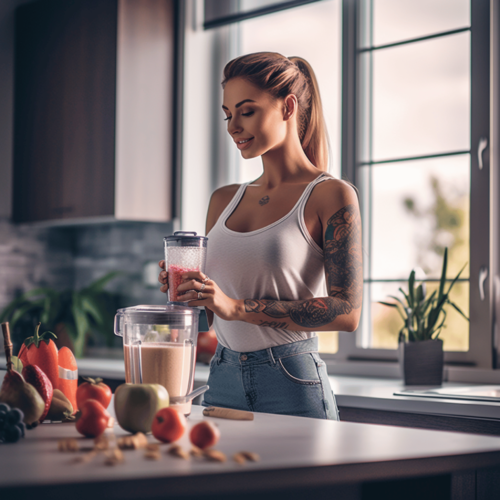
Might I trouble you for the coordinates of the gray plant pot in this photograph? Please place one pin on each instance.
(422, 362)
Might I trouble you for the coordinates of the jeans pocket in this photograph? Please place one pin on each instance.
(213, 363)
(300, 369)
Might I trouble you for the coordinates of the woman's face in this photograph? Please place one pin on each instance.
(255, 121)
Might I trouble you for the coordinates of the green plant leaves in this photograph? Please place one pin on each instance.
(425, 316)
(83, 312)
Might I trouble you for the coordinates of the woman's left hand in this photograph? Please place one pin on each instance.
(202, 291)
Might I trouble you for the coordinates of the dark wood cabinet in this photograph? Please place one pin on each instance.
(79, 144)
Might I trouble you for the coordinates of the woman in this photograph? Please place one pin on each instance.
(272, 242)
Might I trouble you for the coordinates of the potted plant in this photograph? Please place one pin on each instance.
(420, 348)
(72, 315)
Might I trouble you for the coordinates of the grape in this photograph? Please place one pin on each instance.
(4, 407)
(22, 427)
(15, 416)
(12, 434)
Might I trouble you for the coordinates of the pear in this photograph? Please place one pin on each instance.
(17, 393)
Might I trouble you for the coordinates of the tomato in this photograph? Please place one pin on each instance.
(93, 389)
(204, 435)
(168, 425)
(207, 344)
(93, 420)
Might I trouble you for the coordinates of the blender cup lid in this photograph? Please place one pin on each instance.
(185, 239)
(169, 314)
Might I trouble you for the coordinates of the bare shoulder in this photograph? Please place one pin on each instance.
(331, 196)
(218, 202)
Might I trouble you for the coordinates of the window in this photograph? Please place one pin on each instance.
(413, 135)
(278, 33)
(413, 122)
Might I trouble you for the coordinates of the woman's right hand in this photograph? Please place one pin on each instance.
(163, 277)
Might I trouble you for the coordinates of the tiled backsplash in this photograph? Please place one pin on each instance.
(125, 247)
(32, 257)
(73, 257)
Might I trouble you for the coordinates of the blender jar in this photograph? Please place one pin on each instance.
(184, 251)
(159, 347)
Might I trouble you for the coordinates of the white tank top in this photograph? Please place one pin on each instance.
(278, 262)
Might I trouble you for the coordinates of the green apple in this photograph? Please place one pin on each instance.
(137, 404)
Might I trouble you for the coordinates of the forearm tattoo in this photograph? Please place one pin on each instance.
(344, 277)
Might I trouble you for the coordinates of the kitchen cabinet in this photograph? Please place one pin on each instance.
(94, 110)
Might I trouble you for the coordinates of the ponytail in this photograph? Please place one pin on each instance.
(315, 136)
(282, 76)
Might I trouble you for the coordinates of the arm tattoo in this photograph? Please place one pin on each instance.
(275, 324)
(344, 275)
(343, 259)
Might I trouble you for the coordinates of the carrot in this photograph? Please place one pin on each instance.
(68, 375)
(42, 351)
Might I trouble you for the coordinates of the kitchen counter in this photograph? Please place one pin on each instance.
(342, 458)
(354, 395)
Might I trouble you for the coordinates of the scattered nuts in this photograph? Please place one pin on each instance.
(87, 457)
(215, 455)
(68, 444)
(134, 442)
(152, 455)
(177, 451)
(239, 458)
(114, 456)
(101, 443)
(195, 451)
(152, 452)
(250, 455)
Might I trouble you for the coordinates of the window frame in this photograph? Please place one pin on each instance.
(480, 352)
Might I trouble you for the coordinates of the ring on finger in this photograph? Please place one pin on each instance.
(205, 280)
(203, 285)
(200, 296)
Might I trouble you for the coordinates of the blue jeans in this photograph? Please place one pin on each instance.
(289, 379)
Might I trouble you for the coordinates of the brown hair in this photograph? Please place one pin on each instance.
(282, 76)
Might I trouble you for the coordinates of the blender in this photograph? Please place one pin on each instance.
(159, 344)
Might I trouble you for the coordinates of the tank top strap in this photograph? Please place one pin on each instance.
(231, 207)
(301, 205)
(301, 208)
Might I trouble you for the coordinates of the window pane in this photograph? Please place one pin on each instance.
(413, 210)
(397, 20)
(218, 9)
(386, 322)
(328, 342)
(295, 32)
(420, 98)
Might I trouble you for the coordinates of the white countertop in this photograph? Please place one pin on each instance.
(355, 392)
(296, 451)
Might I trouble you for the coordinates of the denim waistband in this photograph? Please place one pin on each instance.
(271, 353)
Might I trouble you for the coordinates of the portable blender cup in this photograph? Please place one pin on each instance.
(184, 251)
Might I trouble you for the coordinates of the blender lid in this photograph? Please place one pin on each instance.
(185, 238)
(169, 314)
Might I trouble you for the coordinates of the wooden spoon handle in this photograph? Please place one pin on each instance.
(7, 344)
(215, 411)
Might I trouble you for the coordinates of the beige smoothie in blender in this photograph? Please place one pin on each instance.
(167, 363)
